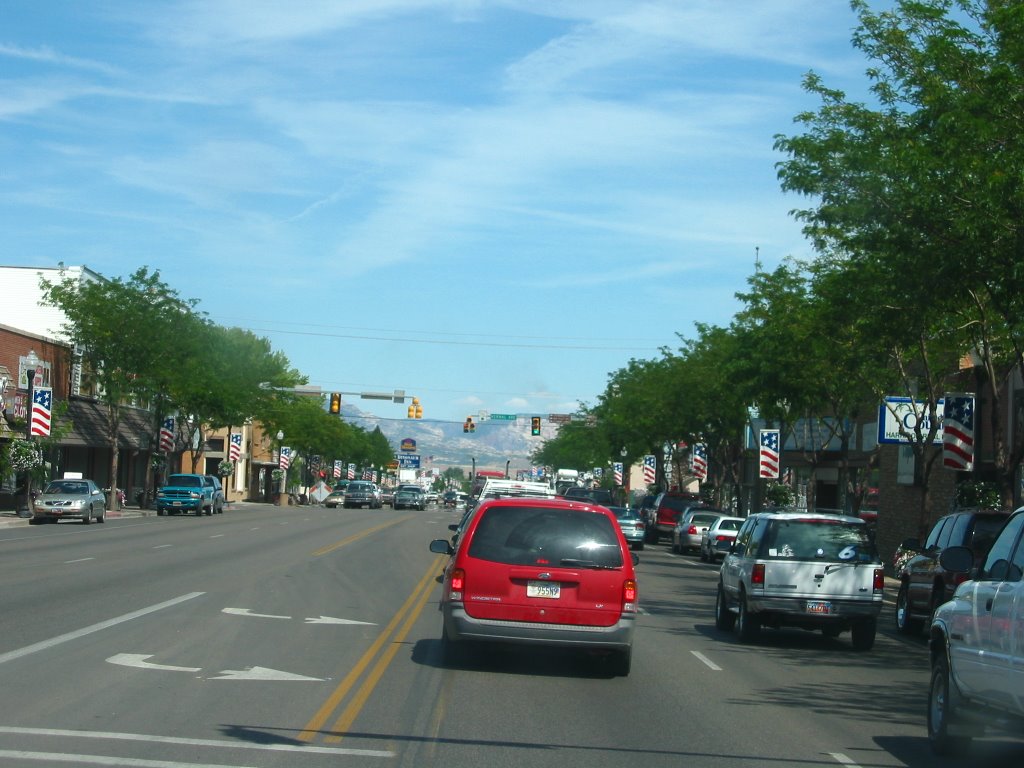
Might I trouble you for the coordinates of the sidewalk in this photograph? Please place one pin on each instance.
(10, 519)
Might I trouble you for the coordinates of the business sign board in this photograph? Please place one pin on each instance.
(408, 461)
(559, 418)
(408, 445)
(897, 411)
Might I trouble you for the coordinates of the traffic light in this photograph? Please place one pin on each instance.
(535, 426)
(468, 425)
(335, 402)
(415, 409)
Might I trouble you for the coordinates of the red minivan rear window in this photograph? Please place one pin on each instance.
(543, 536)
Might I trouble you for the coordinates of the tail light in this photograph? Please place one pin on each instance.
(878, 583)
(693, 530)
(722, 538)
(457, 585)
(629, 596)
(757, 575)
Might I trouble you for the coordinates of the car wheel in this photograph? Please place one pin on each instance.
(621, 662)
(863, 634)
(87, 516)
(747, 625)
(102, 517)
(904, 623)
(161, 512)
(942, 705)
(724, 618)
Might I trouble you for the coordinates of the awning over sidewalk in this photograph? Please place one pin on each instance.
(88, 420)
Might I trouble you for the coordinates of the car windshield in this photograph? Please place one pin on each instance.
(185, 481)
(704, 518)
(811, 539)
(358, 488)
(66, 487)
(543, 536)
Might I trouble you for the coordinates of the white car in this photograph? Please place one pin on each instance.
(977, 645)
(718, 538)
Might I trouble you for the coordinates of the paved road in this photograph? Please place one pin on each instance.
(304, 636)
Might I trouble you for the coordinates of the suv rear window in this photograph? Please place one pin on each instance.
(544, 536)
(818, 540)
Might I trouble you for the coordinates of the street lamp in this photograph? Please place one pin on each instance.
(32, 362)
(284, 472)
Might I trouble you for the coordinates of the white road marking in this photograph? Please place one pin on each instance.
(128, 762)
(180, 740)
(163, 546)
(842, 759)
(139, 660)
(79, 560)
(65, 638)
(710, 664)
(330, 620)
(262, 673)
(247, 612)
(217, 535)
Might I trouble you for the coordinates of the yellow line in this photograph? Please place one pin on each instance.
(345, 720)
(356, 537)
(317, 721)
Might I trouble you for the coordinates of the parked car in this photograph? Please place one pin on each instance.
(924, 583)
(976, 645)
(185, 492)
(362, 493)
(631, 524)
(216, 492)
(409, 497)
(691, 526)
(801, 569)
(335, 498)
(665, 512)
(69, 500)
(545, 572)
(387, 496)
(719, 536)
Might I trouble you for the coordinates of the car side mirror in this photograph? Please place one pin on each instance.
(957, 559)
(453, 527)
(441, 547)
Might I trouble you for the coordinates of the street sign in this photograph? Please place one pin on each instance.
(503, 417)
(409, 461)
(559, 418)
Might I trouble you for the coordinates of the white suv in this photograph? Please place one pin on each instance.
(801, 569)
(977, 645)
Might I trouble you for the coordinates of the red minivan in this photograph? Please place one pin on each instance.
(541, 571)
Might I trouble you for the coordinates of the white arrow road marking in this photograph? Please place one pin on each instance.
(139, 660)
(331, 620)
(248, 612)
(261, 673)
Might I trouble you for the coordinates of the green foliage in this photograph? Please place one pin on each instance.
(779, 495)
(978, 494)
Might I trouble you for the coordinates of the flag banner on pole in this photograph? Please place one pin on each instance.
(235, 448)
(167, 435)
(617, 472)
(351, 471)
(598, 472)
(650, 468)
(958, 432)
(699, 461)
(769, 442)
(42, 408)
(286, 457)
(337, 470)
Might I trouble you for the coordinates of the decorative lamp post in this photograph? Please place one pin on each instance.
(32, 362)
(625, 475)
(284, 473)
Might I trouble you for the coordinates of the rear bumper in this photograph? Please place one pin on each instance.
(460, 626)
(792, 611)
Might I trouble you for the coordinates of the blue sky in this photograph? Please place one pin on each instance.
(489, 204)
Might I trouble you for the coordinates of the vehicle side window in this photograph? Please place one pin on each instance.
(757, 535)
(1016, 570)
(997, 564)
(936, 532)
(743, 537)
(953, 534)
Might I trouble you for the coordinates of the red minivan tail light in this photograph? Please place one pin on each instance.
(458, 584)
(757, 575)
(879, 580)
(629, 596)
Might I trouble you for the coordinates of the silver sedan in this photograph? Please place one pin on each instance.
(69, 500)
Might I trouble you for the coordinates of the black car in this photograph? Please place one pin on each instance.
(600, 496)
(450, 499)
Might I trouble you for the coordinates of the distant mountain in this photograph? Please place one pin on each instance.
(492, 444)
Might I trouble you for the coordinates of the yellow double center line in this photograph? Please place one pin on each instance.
(395, 632)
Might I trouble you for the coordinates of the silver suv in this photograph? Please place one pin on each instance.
(801, 569)
(977, 645)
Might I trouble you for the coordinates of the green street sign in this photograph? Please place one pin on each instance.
(503, 417)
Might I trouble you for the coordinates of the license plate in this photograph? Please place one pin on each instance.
(543, 589)
(177, 503)
(819, 606)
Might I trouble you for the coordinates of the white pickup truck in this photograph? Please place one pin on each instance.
(977, 646)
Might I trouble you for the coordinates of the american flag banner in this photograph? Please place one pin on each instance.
(337, 470)
(366, 474)
(351, 471)
(958, 432)
(286, 457)
(699, 461)
(42, 410)
(598, 471)
(235, 447)
(650, 468)
(167, 434)
(617, 472)
(769, 442)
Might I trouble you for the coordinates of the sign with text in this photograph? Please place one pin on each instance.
(903, 411)
(503, 417)
(408, 461)
(559, 418)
